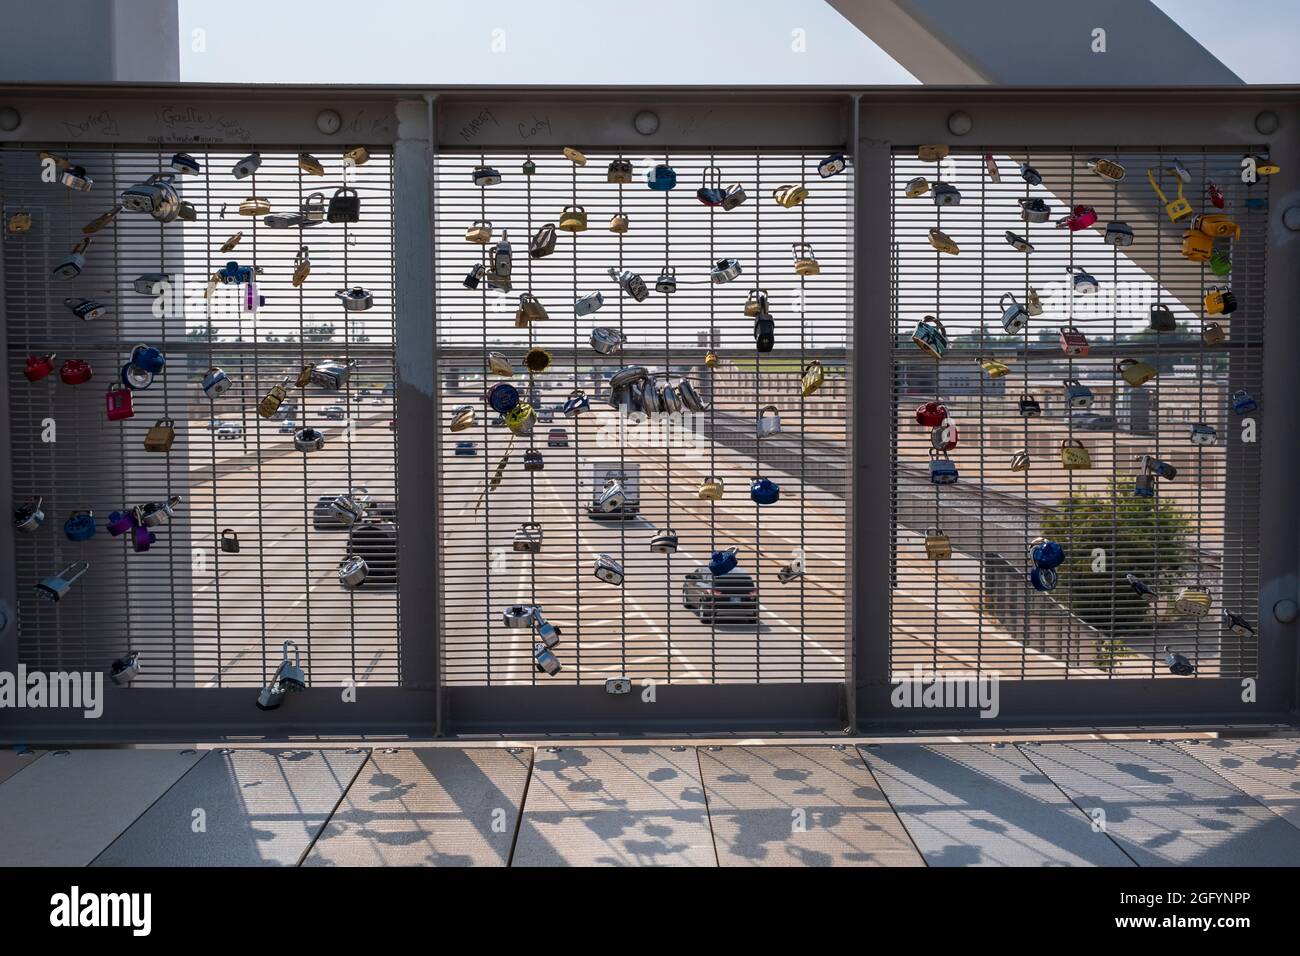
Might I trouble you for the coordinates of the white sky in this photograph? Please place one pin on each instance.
(580, 41)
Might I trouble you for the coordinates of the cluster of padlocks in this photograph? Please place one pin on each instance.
(1208, 239)
(632, 388)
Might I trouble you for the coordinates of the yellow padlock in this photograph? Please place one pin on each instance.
(574, 156)
(805, 262)
(357, 156)
(1217, 226)
(1175, 208)
(790, 195)
(310, 164)
(710, 359)
(1193, 600)
(711, 489)
(1074, 455)
(937, 545)
(573, 219)
(931, 152)
(756, 304)
(301, 267)
(814, 376)
(1197, 246)
(1219, 300)
(255, 206)
(270, 402)
(1136, 372)
(521, 418)
(995, 368)
(19, 222)
(160, 436)
(304, 377)
(917, 187)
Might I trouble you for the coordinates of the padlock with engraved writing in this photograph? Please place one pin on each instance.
(805, 260)
(155, 196)
(1193, 600)
(528, 538)
(1212, 333)
(1073, 342)
(609, 569)
(711, 489)
(631, 283)
(270, 402)
(1106, 168)
(344, 206)
(1074, 454)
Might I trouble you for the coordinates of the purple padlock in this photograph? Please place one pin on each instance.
(120, 522)
(143, 538)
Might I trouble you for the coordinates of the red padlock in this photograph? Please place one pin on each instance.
(117, 403)
(931, 414)
(39, 366)
(944, 437)
(1073, 342)
(75, 372)
(1216, 195)
(1080, 217)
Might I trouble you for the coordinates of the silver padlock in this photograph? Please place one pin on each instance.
(631, 283)
(28, 517)
(347, 509)
(308, 440)
(724, 270)
(606, 340)
(528, 538)
(86, 309)
(690, 398)
(74, 177)
(1014, 316)
(353, 571)
(618, 686)
(546, 662)
(355, 299)
(313, 208)
(331, 376)
(769, 421)
(548, 632)
(125, 669)
(589, 304)
(664, 541)
(56, 586)
(247, 166)
(147, 284)
(609, 570)
(503, 258)
(155, 196)
(518, 616)
(669, 400)
(612, 497)
(71, 267)
(290, 673)
(627, 375)
(216, 383)
(157, 513)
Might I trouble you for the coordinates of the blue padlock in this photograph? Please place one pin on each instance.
(764, 491)
(723, 561)
(1242, 402)
(1047, 554)
(235, 274)
(81, 526)
(662, 178)
(576, 404)
(148, 359)
(832, 165)
(503, 397)
(1043, 579)
(942, 469)
(134, 377)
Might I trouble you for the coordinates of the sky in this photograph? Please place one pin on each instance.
(667, 41)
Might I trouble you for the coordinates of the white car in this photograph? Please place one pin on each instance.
(288, 427)
(229, 432)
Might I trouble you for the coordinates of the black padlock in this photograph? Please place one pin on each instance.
(345, 205)
(1029, 406)
(764, 333)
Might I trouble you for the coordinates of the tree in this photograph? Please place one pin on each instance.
(318, 333)
(1107, 536)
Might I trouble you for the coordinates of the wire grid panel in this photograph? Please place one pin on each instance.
(1199, 528)
(642, 629)
(201, 615)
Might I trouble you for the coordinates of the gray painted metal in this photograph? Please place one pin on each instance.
(982, 805)
(67, 806)
(615, 806)
(1267, 769)
(437, 806)
(260, 808)
(800, 806)
(93, 40)
(1164, 808)
(953, 41)
(11, 761)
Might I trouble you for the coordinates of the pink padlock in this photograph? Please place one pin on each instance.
(117, 403)
(1080, 217)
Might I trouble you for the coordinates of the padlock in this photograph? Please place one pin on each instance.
(1220, 263)
(55, 587)
(125, 669)
(18, 222)
(1074, 454)
(769, 422)
(942, 469)
(790, 572)
(29, 516)
(533, 460)
(690, 398)
(1220, 300)
(937, 545)
(916, 187)
(345, 205)
(1203, 434)
(619, 171)
(573, 219)
(1014, 316)
(995, 368)
(80, 526)
(548, 632)
(356, 156)
(521, 419)
(160, 436)
(790, 195)
(805, 260)
(1141, 588)
(1106, 169)
(463, 417)
(255, 206)
(832, 165)
(1135, 371)
(609, 569)
(1020, 461)
(1073, 342)
(574, 156)
(1175, 208)
(667, 281)
(86, 309)
(619, 223)
(612, 497)
(270, 402)
(711, 489)
(498, 364)
(1078, 219)
(931, 152)
(310, 165)
(501, 398)
(605, 340)
(733, 196)
(332, 376)
(1043, 579)
(307, 440)
(711, 359)
(152, 283)
(229, 541)
(1217, 226)
(723, 561)
(1193, 600)
(1162, 319)
(120, 522)
(942, 242)
(725, 270)
(1018, 242)
(528, 538)
(756, 303)
(304, 377)
(1084, 283)
(355, 299)
(814, 377)
(76, 372)
(1144, 486)
(347, 509)
(664, 541)
(931, 414)
(1212, 333)
(485, 176)
(1118, 233)
(991, 167)
(186, 212)
(930, 336)
(1030, 175)
(661, 178)
(155, 196)
(313, 208)
(1178, 663)
(38, 367)
(945, 194)
(1034, 210)
(157, 513)
(1216, 195)
(233, 241)
(474, 276)
(546, 662)
(1046, 553)
(1077, 395)
(1265, 166)
(1242, 402)
(944, 437)
(75, 177)
(301, 267)
(764, 333)
(71, 267)
(631, 283)
(1197, 246)
(247, 166)
(543, 242)
(710, 192)
(1153, 465)
(1237, 624)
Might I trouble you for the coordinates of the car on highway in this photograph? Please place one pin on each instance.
(557, 438)
(1091, 422)
(324, 519)
(376, 543)
(335, 412)
(628, 476)
(288, 427)
(546, 414)
(466, 448)
(229, 431)
(730, 598)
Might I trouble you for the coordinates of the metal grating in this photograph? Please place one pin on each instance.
(977, 609)
(641, 630)
(197, 615)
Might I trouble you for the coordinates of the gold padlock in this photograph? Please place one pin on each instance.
(917, 187)
(480, 231)
(1074, 455)
(270, 403)
(575, 157)
(1020, 461)
(1136, 372)
(301, 267)
(710, 359)
(356, 156)
(1212, 333)
(995, 368)
(711, 489)
(531, 308)
(310, 164)
(931, 152)
(805, 262)
(941, 241)
(618, 223)
(160, 436)
(573, 219)
(756, 304)
(1217, 225)
(230, 243)
(19, 222)
(99, 222)
(304, 377)
(1033, 304)
(814, 376)
(937, 545)
(790, 195)
(255, 206)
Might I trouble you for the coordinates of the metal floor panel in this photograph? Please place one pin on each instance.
(63, 809)
(800, 806)
(1166, 809)
(1267, 769)
(438, 806)
(11, 761)
(978, 805)
(615, 806)
(260, 808)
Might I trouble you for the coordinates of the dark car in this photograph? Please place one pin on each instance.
(557, 438)
(466, 448)
(324, 519)
(730, 598)
(376, 543)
